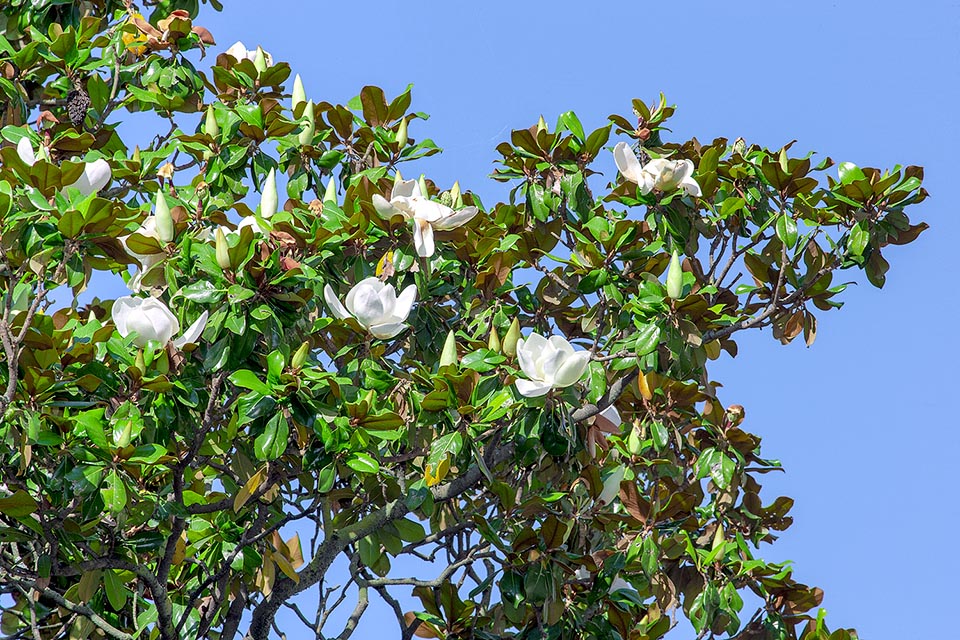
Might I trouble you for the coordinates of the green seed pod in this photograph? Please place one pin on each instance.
(330, 193)
(402, 134)
(165, 229)
(223, 250)
(510, 340)
(260, 60)
(210, 126)
(299, 95)
(300, 357)
(309, 125)
(674, 277)
(269, 198)
(493, 342)
(449, 354)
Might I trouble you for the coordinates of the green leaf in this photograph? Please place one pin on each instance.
(849, 173)
(660, 434)
(203, 292)
(363, 463)
(116, 592)
(859, 238)
(246, 379)
(482, 360)
(271, 444)
(92, 423)
(18, 505)
(114, 493)
(787, 230)
(647, 339)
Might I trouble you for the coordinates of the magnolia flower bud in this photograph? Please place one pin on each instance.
(397, 179)
(268, 198)
(210, 126)
(422, 184)
(330, 193)
(165, 230)
(456, 196)
(299, 95)
(223, 250)
(674, 277)
(449, 354)
(510, 340)
(309, 125)
(126, 435)
(493, 342)
(541, 124)
(740, 146)
(300, 357)
(136, 154)
(402, 134)
(260, 60)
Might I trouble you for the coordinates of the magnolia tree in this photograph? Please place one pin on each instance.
(305, 385)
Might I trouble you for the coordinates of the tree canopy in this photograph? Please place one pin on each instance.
(325, 357)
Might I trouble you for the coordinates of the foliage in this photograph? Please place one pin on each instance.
(156, 488)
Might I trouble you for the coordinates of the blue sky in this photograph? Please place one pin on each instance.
(863, 421)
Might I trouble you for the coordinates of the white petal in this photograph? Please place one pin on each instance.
(528, 352)
(238, 51)
(611, 415)
(405, 189)
(25, 151)
(122, 308)
(423, 238)
(384, 209)
(334, 303)
(456, 219)
(367, 307)
(532, 388)
(619, 583)
(572, 369)
(428, 210)
(627, 162)
(561, 344)
(371, 282)
(388, 298)
(550, 362)
(192, 334)
(386, 331)
(95, 176)
(611, 485)
(401, 310)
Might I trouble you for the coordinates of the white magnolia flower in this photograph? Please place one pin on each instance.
(660, 174)
(147, 260)
(239, 52)
(608, 421)
(550, 364)
(611, 485)
(375, 305)
(428, 216)
(150, 319)
(95, 176)
(619, 583)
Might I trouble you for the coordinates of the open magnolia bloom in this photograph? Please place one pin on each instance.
(150, 319)
(550, 364)
(375, 305)
(659, 174)
(95, 176)
(428, 216)
(239, 52)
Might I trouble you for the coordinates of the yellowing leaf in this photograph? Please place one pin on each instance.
(249, 487)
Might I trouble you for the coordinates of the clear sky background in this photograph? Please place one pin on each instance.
(864, 421)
